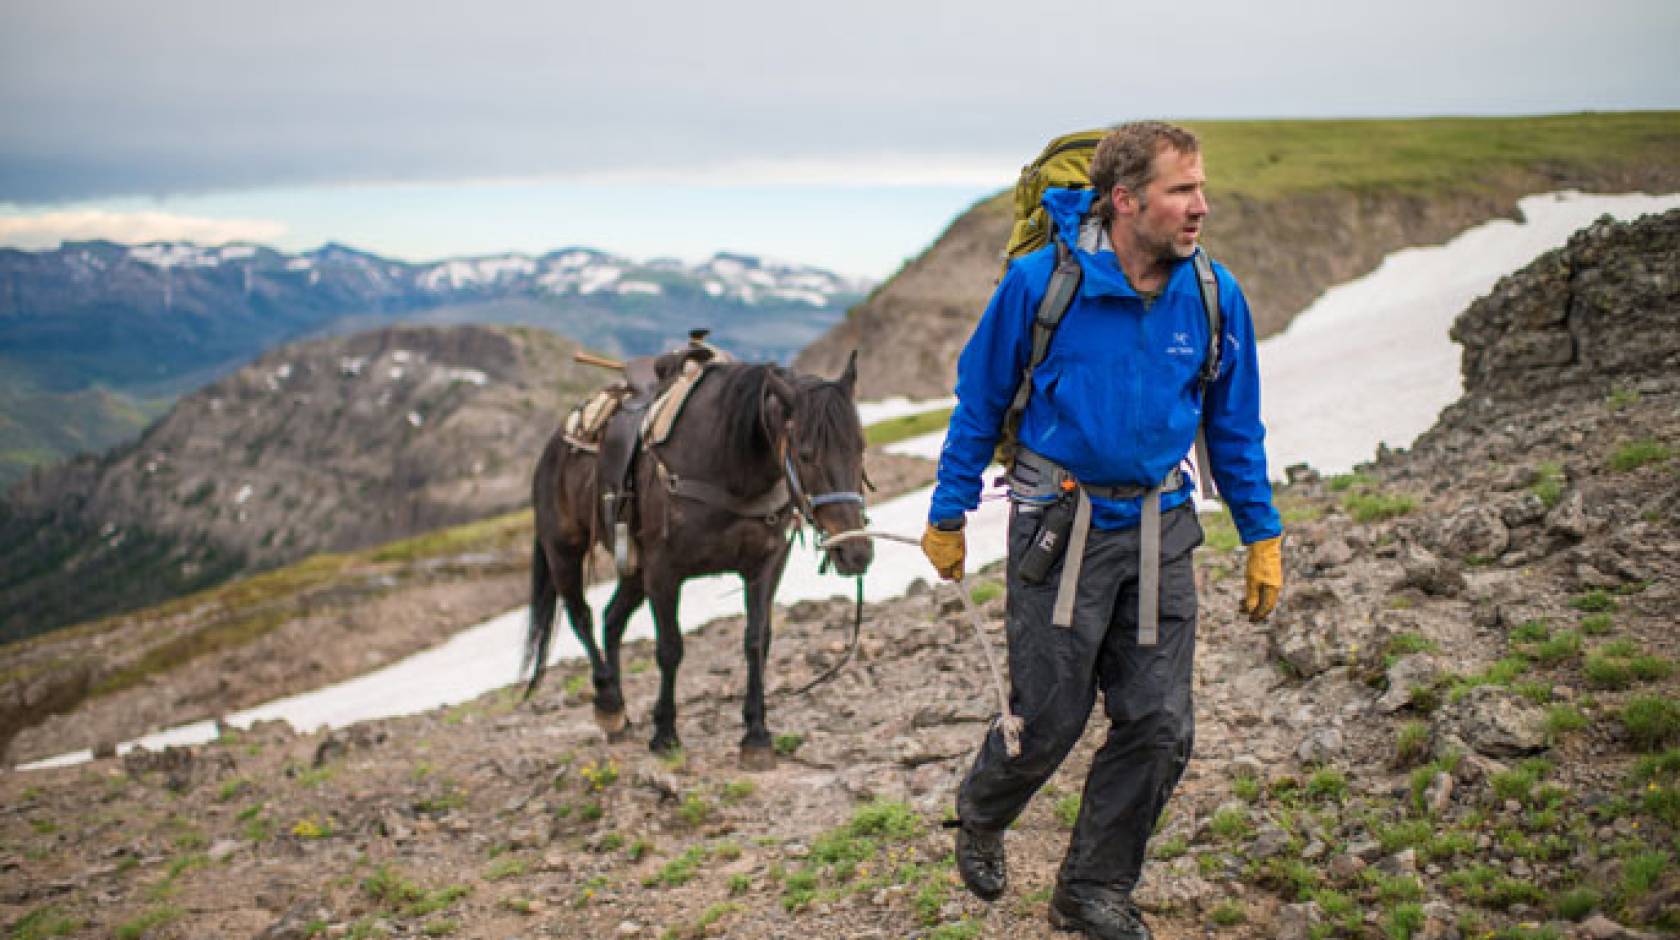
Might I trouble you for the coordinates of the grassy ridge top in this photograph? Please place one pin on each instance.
(1271, 159)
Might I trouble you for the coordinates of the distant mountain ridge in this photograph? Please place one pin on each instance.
(156, 320)
(320, 446)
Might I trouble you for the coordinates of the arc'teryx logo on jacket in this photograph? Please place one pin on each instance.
(1106, 403)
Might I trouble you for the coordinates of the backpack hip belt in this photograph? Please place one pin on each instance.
(1052, 478)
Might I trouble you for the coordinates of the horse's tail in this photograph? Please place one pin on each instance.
(541, 629)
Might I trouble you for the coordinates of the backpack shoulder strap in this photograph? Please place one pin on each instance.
(1058, 297)
(1209, 285)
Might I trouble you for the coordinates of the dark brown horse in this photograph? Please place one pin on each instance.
(758, 448)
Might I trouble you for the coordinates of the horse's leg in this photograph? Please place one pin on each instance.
(757, 752)
(609, 692)
(566, 563)
(662, 595)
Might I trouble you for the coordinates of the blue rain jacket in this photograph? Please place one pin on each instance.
(1116, 400)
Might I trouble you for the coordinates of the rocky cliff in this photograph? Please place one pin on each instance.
(320, 446)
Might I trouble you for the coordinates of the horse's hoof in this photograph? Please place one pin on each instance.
(613, 724)
(757, 757)
(664, 746)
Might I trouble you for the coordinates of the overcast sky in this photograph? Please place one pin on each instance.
(840, 134)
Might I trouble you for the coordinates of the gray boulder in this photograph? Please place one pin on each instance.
(1497, 721)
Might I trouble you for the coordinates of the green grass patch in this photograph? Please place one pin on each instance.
(1594, 601)
(148, 921)
(1066, 810)
(1548, 483)
(44, 922)
(484, 535)
(1328, 784)
(985, 591)
(1404, 922)
(1228, 914)
(1405, 644)
(1344, 482)
(695, 809)
(1219, 532)
(1648, 668)
(1376, 506)
(964, 929)
(1635, 454)
(390, 888)
(1563, 719)
(1230, 825)
(787, 743)
(506, 867)
(680, 870)
(1641, 873)
(1651, 721)
(1596, 624)
(904, 427)
(1576, 903)
(1560, 647)
(1607, 672)
(1411, 743)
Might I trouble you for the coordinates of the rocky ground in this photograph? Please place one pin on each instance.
(1462, 722)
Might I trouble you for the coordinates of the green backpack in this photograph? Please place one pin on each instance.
(1066, 163)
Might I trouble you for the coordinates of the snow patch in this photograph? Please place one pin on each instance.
(595, 279)
(472, 376)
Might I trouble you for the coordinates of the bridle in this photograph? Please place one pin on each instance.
(807, 504)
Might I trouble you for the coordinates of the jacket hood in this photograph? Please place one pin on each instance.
(1102, 275)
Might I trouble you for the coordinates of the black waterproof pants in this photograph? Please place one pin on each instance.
(1055, 673)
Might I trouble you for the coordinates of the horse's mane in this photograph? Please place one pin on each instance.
(743, 402)
(823, 411)
(826, 417)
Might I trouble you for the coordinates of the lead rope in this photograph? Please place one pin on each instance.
(1009, 723)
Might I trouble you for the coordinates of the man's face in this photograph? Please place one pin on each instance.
(1168, 220)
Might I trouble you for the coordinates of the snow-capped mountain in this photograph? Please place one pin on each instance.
(160, 319)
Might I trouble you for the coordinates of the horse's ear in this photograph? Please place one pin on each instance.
(778, 401)
(848, 378)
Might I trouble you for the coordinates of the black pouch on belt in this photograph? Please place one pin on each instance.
(1049, 541)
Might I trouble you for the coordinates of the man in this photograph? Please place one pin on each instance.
(1114, 408)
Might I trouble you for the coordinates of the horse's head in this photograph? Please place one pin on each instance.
(824, 454)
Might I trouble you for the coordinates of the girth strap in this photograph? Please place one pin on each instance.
(767, 505)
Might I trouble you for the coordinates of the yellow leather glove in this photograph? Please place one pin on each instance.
(946, 550)
(1264, 578)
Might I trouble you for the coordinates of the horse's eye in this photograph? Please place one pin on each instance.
(806, 455)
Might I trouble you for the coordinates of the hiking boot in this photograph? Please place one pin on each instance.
(980, 861)
(1098, 912)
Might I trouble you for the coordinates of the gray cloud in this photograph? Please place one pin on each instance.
(101, 97)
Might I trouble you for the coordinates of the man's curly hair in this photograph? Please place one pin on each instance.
(1126, 157)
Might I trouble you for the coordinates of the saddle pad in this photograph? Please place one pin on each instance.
(587, 422)
(662, 417)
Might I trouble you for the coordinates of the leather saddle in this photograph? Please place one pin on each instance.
(646, 378)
